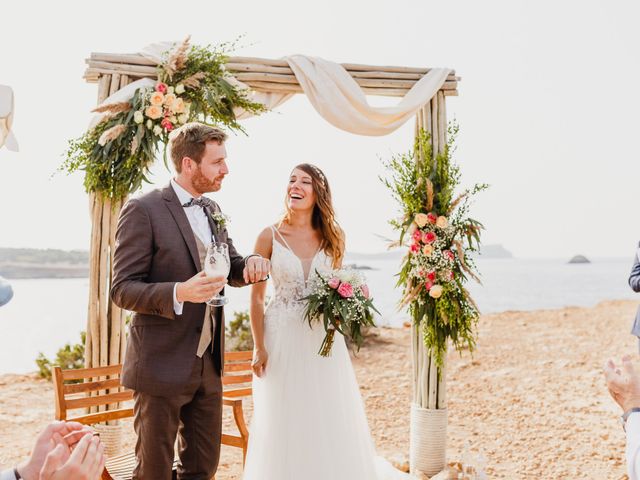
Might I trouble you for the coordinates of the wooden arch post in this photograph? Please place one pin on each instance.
(429, 408)
(105, 339)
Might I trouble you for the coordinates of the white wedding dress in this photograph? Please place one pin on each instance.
(309, 421)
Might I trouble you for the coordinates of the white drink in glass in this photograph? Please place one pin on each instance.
(217, 264)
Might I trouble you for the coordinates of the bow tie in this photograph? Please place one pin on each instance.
(200, 202)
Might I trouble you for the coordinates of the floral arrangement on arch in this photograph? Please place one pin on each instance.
(192, 85)
(441, 241)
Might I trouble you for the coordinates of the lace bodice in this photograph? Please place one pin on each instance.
(291, 275)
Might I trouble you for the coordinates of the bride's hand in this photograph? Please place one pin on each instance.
(259, 364)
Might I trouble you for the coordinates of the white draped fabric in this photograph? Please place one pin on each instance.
(331, 90)
(6, 119)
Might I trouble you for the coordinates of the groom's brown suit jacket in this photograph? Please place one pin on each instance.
(155, 248)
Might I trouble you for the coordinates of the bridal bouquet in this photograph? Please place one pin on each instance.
(341, 300)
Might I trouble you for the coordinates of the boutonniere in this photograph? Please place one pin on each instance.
(221, 220)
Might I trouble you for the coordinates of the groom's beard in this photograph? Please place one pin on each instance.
(202, 184)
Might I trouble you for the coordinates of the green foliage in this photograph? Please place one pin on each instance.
(68, 357)
(238, 335)
(422, 183)
(216, 98)
(119, 166)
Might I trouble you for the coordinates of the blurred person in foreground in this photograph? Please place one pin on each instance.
(623, 382)
(63, 451)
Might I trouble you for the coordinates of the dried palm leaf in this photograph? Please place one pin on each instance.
(177, 58)
(458, 199)
(429, 204)
(465, 267)
(194, 80)
(111, 134)
(113, 108)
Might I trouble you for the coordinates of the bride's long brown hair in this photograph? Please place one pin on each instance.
(323, 217)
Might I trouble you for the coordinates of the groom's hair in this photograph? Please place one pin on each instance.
(190, 141)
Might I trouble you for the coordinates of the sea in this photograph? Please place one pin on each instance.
(45, 314)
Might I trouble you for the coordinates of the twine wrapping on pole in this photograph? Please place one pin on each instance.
(428, 445)
(110, 437)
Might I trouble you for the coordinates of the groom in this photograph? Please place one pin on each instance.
(175, 349)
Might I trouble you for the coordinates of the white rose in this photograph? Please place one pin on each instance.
(435, 291)
(421, 219)
(183, 118)
(149, 124)
(138, 117)
(442, 222)
(170, 90)
(157, 129)
(179, 88)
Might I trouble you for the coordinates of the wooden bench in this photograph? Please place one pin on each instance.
(107, 390)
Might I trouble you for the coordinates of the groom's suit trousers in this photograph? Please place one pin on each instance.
(195, 414)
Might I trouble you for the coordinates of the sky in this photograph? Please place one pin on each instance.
(548, 113)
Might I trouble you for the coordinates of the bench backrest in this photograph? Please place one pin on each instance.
(101, 387)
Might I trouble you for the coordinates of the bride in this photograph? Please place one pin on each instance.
(309, 420)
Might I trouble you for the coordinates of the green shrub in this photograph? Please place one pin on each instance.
(68, 357)
(238, 335)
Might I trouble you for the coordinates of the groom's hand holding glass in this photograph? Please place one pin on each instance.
(199, 288)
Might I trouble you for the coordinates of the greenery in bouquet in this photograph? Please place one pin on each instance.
(341, 300)
(192, 85)
(440, 238)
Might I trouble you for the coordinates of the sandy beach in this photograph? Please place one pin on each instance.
(532, 398)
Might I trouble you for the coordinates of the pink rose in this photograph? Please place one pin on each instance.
(429, 237)
(431, 276)
(428, 285)
(161, 87)
(365, 291)
(432, 218)
(166, 124)
(334, 283)
(415, 248)
(417, 236)
(449, 275)
(448, 254)
(345, 290)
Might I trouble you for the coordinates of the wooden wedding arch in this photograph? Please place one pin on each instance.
(105, 341)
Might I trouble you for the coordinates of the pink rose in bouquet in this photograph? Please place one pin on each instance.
(432, 218)
(161, 87)
(166, 124)
(429, 237)
(431, 276)
(428, 285)
(415, 248)
(345, 290)
(365, 291)
(448, 254)
(334, 282)
(417, 236)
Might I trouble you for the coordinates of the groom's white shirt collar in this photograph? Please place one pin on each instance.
(183, 195)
